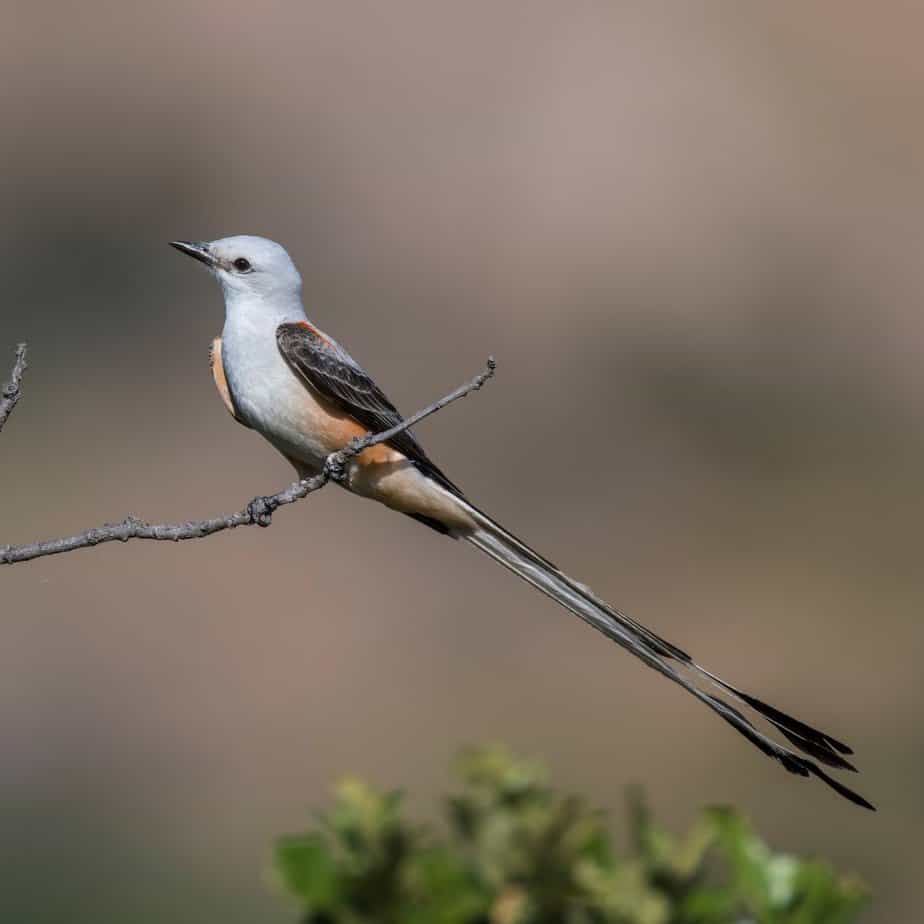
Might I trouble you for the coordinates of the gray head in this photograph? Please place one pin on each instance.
(247, 266)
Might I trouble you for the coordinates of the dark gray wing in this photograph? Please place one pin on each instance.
(327, 368)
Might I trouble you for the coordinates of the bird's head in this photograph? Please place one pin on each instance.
(247, 266)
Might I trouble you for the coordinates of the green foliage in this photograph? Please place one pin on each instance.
(519, 853)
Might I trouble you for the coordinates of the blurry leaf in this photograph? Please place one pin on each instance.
(518, 852)
(623, 894)
(709, 905)
(307, 869)
(443, 891)
(510, 907)
(779, 887)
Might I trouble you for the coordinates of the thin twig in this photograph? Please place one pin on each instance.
(336, 462)
(12, 391)
(259, 512)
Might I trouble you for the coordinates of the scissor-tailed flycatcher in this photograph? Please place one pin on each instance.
(281, 376)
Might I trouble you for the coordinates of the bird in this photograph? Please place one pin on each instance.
(280, 375)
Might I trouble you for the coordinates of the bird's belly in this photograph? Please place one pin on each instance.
(270, 398)
(398, 483)
(296, 422)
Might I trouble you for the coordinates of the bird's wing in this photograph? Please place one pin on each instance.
(327, 368)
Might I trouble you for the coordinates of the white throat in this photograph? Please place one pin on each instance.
(253, 309)
(249, 335)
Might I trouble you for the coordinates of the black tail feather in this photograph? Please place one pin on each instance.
(818, 744)
(669, 660)
(842, 790)
(782, 720)
(792, 762)
(826, 755)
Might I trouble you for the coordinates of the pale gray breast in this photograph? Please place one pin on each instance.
(268, 395)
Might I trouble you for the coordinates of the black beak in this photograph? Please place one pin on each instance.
(198, 250)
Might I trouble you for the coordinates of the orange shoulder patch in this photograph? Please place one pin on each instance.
(314, 332)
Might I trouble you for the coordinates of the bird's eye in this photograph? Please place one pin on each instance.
(242, 265)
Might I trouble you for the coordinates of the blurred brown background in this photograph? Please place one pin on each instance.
(691, 233)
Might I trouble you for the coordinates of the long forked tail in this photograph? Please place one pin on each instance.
(667, 659)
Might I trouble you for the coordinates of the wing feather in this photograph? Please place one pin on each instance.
(327, 368)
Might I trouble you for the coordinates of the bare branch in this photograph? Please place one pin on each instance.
(259, 512)
(12, 391)
(336, 462)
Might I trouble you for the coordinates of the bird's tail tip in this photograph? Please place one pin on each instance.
(673, 662)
